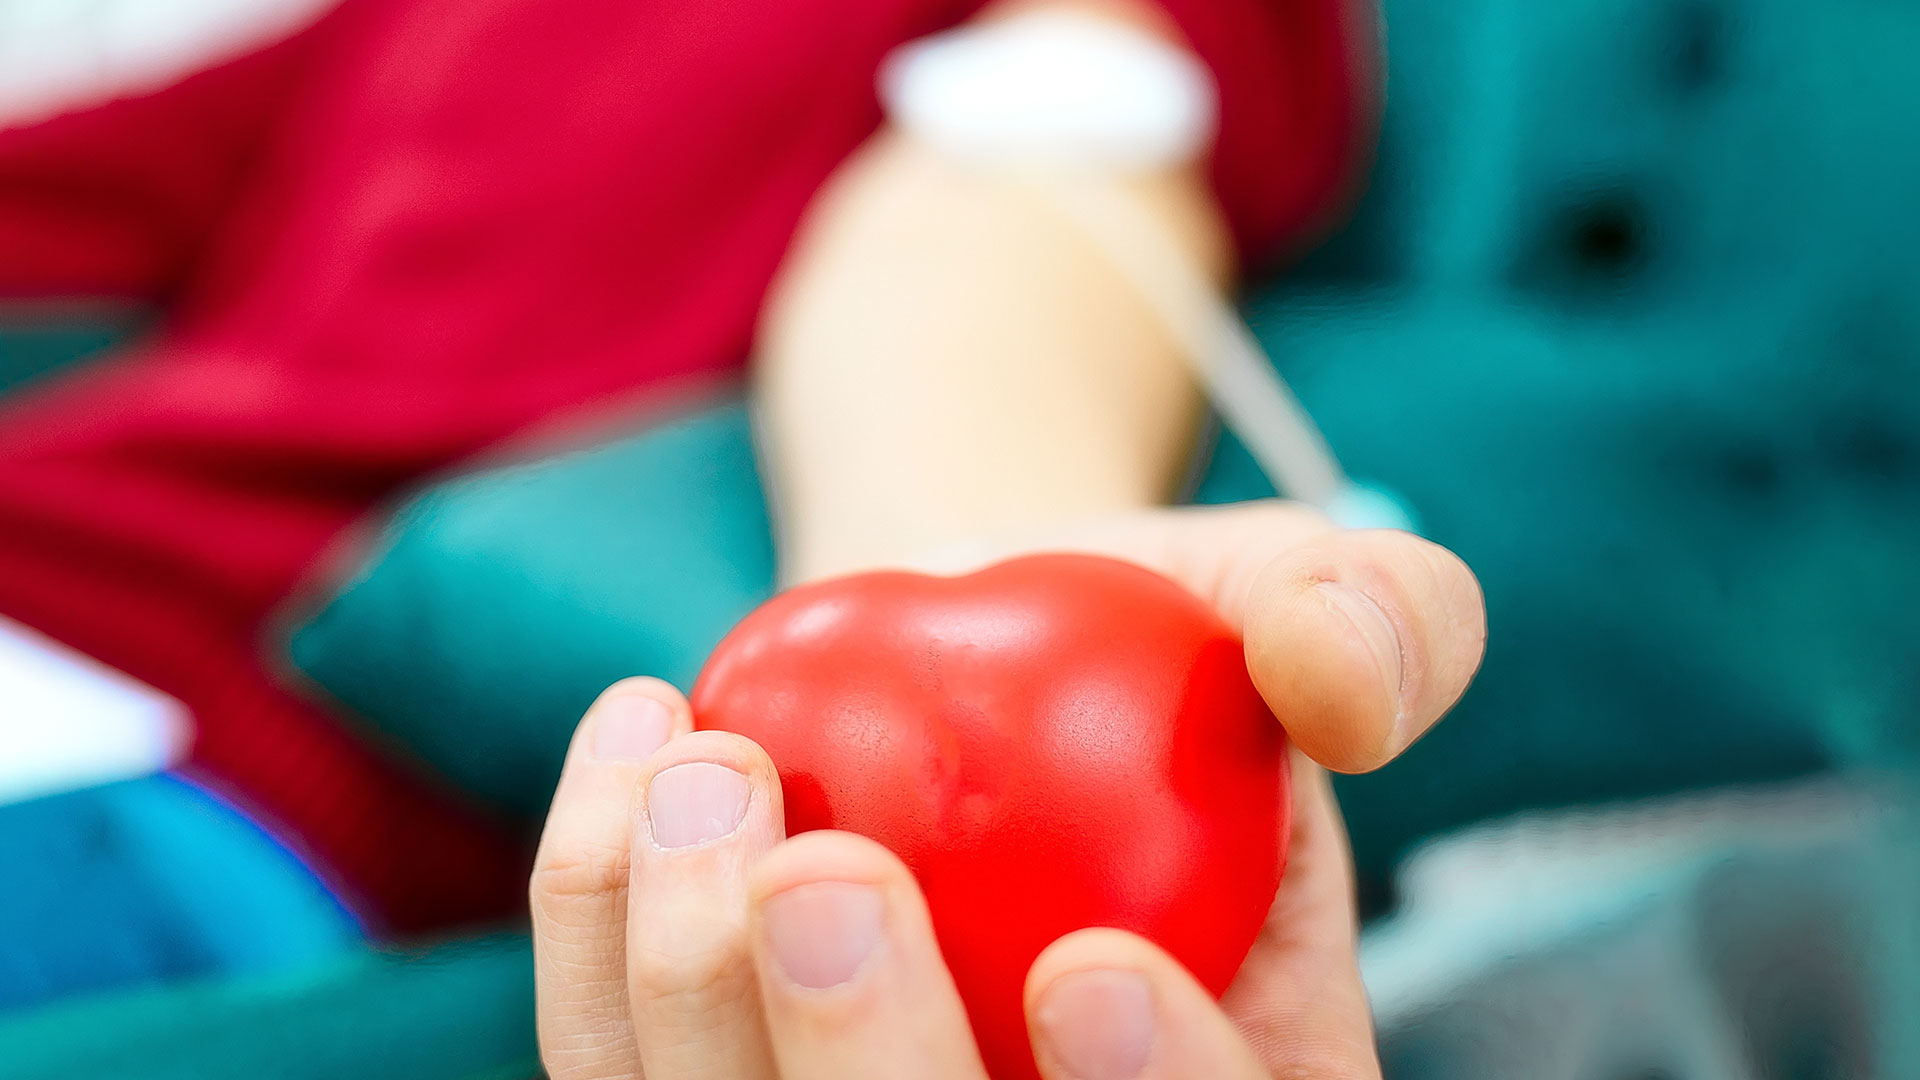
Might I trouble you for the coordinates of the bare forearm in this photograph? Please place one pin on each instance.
(946, 356)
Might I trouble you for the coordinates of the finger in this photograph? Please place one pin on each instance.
(1361, 641)
(1298, 999)
(578, 891)
(852, 980)
(1214, 551)
(707, 808)
(1107, 1005)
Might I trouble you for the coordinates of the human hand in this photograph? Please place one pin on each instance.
(678, 933)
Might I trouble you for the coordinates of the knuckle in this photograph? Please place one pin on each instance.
(569, 874)
(688, 978)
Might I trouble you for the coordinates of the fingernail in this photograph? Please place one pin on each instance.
(821, 934)
(695, 803)
(630, 727)
(1098, 1025)
(1376, 629)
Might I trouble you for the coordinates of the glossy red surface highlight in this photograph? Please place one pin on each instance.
(1052, 743)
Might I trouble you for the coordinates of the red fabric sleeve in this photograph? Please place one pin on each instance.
(115, 200)
(1300, 95)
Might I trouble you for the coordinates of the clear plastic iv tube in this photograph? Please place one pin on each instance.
(1232, 369)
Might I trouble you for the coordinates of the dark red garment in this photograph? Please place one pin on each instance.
(418, 228)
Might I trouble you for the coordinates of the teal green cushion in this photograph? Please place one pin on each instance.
(1632, 316)
(455, 1012)
(498, 605)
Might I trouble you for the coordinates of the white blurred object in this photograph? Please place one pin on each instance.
(67, 721)
(1053, 86)
(62, 54)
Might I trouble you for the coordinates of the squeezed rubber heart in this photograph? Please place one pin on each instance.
(1052, 743)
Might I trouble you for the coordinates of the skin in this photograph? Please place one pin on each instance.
(667, 960)
(958, 320)
(1023, 395)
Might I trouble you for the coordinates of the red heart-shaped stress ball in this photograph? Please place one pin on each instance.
(1055, 742)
